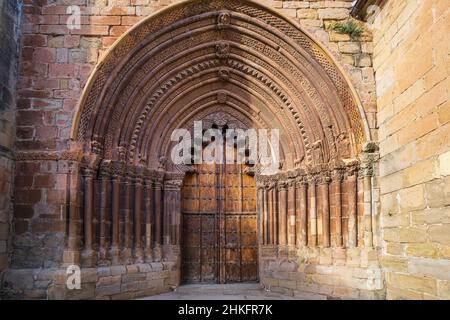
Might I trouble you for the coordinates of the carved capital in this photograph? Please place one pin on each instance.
(260, 185)
(292, 183)
(351, 171)
(139, 176)
(117, 169)
(173, 184)
(337, 175)
(88, 172)
(312, 179)
(282, 185)
(301, 181)
(323, 178)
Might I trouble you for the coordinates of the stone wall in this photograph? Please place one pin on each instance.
(411, 60)
(114, 282)
(323, 273)
(9, 32)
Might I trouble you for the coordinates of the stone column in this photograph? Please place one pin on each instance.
(282, 213)
(312, 212)
(138, 202)
(292, 224)
(275, 219)
(325, 197)
(148, 205)
(352, 178)
(368, 225)
(126, 238)
(167, 207)
(302, 211)
(266, 201)
(89, 257)
(336, 214)
(271, 213)
(115, 215)
(158, 218)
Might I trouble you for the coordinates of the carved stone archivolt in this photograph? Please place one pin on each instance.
(294, 70)
(225, 62)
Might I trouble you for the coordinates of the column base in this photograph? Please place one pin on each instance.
(71, 257)
(157, 254)
(114, 255)
(138, 255)
(148, 255)
(126, 256)
(88, 258)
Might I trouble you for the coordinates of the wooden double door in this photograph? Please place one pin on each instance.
(219, 219)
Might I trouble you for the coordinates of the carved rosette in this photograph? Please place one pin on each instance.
(223, 19)
(224, 75)
(222, 50)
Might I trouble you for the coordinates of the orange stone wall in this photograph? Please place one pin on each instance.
(412, 64)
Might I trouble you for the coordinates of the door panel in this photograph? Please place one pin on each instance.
(219, 225)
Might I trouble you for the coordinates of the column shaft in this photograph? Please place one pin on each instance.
(302, 214)
(291, 203)
(115, 219)
(138, 201)
(282, 214)
(337, 238)
(325, 213)
(352, 209)
(313, 214)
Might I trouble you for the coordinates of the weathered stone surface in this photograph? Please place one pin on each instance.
(18, 279)
(431, 268)
(413, 147)
(416, 283)
(117, 270)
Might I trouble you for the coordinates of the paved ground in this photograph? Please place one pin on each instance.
(246, 291)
